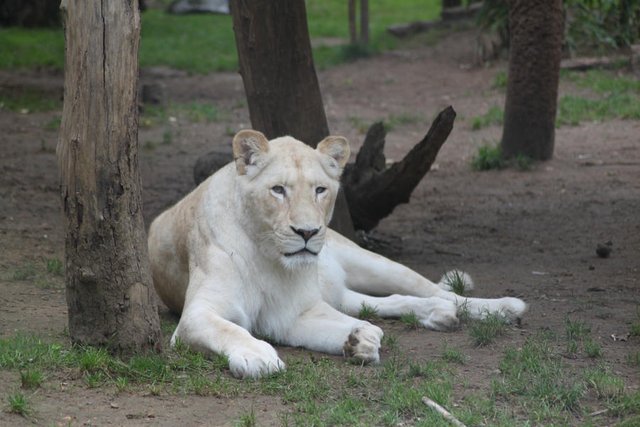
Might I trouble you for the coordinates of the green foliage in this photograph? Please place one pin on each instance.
(455, 280)
(25, 272)
(19, 404)
(367, 312)
(495, 116)
(53, 124)
(488, 157)
(601, 24)
(485, 331)
(28, 100)
(536, 373)
(410, 320)
(500, 80)
(55, 266)
(591, 24)
(453, 355)
(31, 378)
(606, 385)
(204, 43)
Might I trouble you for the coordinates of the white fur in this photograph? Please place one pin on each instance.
(228, 257)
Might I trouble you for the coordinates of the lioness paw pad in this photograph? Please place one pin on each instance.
(363, 343)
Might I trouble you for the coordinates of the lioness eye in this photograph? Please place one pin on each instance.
(278, 189)
(320, 190)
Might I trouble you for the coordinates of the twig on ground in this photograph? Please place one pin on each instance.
(439, 409)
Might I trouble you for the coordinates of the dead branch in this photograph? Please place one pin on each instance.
(373, 190)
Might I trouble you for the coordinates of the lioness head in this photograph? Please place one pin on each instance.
(288, 191)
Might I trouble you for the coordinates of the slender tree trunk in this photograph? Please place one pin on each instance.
(276, 64)
(353, 35)
(536, 31)
(108, 281)
(364, 22)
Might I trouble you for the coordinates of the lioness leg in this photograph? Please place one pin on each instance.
(433, 312)
(373, 274)
(323, 328)
(210, 324)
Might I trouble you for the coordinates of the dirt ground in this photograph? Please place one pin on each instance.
(531, 234)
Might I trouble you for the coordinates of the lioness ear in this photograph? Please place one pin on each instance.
(336, 147)
(248, 146)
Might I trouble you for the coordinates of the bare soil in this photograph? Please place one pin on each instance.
(531, 234)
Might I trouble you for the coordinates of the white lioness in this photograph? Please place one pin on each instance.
(249, 252)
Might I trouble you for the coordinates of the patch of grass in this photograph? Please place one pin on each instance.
(523, 162)
(592, 348)
(606, 385)
(247, 420)
(456, 281)
(614, 96)
(634, 359)
(203, 43)
(192, 112)
(25, 272)
(53, 124)
(453, 355)
(485, 331)
(500, 80)
(121, 383)
(31, 378)
(536, 375)
(395, 120)
(488, 157)
(19, 404)
(410, 320)
(55, 266)
(29, 100)
(495, 116)
(367, 312)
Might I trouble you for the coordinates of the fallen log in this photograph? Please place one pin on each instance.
(374, 190)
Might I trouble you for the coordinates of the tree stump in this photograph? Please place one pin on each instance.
(374, 190)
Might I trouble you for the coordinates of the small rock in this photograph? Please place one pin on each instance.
(603, 250)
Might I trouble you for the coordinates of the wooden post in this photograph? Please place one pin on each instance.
(108, 281)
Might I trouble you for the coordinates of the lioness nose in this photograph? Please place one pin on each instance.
(306, 234)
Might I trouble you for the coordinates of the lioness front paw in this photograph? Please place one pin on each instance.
(254, 361)
(363, 343)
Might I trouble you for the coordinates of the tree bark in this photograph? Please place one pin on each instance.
(536, 31)
(373, 190)
(276, 64)
(108, 280)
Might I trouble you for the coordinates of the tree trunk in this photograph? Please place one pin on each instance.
(536, 31)
(364, 22)
(276, 64)
(353, 35)
(108, 281)
(277, 69)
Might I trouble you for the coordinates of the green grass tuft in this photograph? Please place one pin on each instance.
(495, 116)
(488, 157)
(367, 312)
(410, 320)
(55, 266)
(485, 331)
(455, 280)
(453, 355)
(31, 379)
(19, 404)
